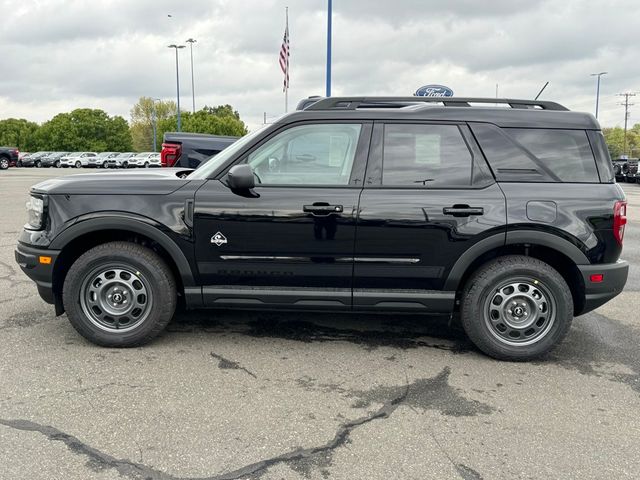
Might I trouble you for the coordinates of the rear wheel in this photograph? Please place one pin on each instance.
(4, 163)
(125, 164)
(146, 164)
(78, 164)
(57, 164)
(516, 308)
(105, 164)
(38, 164)
(119, 294)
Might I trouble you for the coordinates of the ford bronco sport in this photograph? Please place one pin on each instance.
(504, 212)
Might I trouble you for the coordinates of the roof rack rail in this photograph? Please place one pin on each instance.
(353, 103)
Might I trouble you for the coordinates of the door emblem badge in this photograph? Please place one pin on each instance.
(218, 239)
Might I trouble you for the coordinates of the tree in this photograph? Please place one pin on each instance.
(220, 120)
(142, 115)
(615, 141)
(85, 129)
(20, 133)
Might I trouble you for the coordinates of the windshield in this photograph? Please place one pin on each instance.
(206, 169)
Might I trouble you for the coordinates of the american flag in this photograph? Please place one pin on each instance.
(284, 57)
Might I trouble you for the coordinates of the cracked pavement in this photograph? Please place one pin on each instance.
(248, 395)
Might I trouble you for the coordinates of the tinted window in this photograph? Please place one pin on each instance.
(307, 155)
(566, 153)
(425, 155)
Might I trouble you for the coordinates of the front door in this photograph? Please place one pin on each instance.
(291, 239)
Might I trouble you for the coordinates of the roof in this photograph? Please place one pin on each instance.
(512, 113)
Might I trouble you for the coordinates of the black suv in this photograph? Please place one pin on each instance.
(505, 214)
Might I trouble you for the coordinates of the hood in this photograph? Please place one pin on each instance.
(161, 181)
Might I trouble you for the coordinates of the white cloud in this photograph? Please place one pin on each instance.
(60, 55)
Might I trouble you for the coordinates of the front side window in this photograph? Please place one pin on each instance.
(318, 154)
(424, 155)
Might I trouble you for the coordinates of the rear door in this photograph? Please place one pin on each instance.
(428, 198)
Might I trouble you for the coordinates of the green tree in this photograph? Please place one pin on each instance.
(20, 133)
(85, 129)
(220, 120)
(615, 141)
(142, 115)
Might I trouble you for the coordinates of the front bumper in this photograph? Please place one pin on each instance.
(30, 261)
(614, 278)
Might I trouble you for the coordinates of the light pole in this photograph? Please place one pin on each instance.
(191, 41)
(329, 33)
(154, 119)
(598, 89)
(177, 83)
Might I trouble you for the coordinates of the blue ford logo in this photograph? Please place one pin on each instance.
(434, 91)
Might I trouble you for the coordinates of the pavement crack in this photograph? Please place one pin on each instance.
(225, 363)
(101, 460)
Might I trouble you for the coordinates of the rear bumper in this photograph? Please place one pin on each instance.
(614, 278)
(41, 273)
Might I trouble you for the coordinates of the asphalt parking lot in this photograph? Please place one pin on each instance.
(227, 395)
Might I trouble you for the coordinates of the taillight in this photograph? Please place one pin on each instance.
(170, 154)
(619, 220)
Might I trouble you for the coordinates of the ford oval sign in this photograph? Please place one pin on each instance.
(434, 91)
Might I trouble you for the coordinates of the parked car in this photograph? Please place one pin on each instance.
(8, 157)
(101, 159)
(191, 149)
(121, 160)
(625, 169)
(507, 217)
(21, 155)
(77, 159)
(33, 160)
(145, 159)
(53, 159)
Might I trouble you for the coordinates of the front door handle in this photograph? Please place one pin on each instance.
(322, 209)
(463, 210)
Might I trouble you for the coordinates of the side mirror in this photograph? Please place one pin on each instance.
(240, 177)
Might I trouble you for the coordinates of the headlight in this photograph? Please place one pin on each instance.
(35, 213)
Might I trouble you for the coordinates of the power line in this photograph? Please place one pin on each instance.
(626, 116)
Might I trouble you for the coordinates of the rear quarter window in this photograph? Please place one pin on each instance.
(537, 154)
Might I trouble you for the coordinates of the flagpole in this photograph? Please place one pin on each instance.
(329, 34)
(286, 90)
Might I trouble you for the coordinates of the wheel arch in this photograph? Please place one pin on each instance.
(86, 234)
(557, 252)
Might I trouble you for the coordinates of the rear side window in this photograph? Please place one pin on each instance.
(537, 155)
(425, 156)
(566, 153)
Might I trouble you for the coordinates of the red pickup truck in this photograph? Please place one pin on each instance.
(189, 150)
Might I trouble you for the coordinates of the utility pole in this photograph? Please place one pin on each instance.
(626, 116)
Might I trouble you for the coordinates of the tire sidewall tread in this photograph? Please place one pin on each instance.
(482, 284)
(151, 266)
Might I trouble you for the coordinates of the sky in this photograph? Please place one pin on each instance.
(61, 55)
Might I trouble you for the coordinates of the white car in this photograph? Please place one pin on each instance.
(102, 159)
(77, 159)
(145, 159)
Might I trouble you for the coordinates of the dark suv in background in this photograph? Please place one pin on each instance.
(8, 157)
(508, 216)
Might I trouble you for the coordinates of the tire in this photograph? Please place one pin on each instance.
(105, 165)
(4, 163)
(125, 165)
(38, 164)
(19, 164)
(538, 290)
(119, 265)
(57, 164)
(78, 164)
(146, 164)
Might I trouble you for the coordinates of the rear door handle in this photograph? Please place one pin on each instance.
(322, 210)
(463, 211)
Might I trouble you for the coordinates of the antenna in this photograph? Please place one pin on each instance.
(541, 90)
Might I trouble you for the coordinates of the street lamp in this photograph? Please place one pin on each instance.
(191, 41)
(177, 82)
(598, 89)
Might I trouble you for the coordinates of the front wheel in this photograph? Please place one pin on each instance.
(38, 164)
(146, 164)
(119, 294)
(57, 164)
(78, 164)
(516, 308)
(4, 163)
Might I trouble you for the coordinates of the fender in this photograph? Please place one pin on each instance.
(530, 237)
(141, 225)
